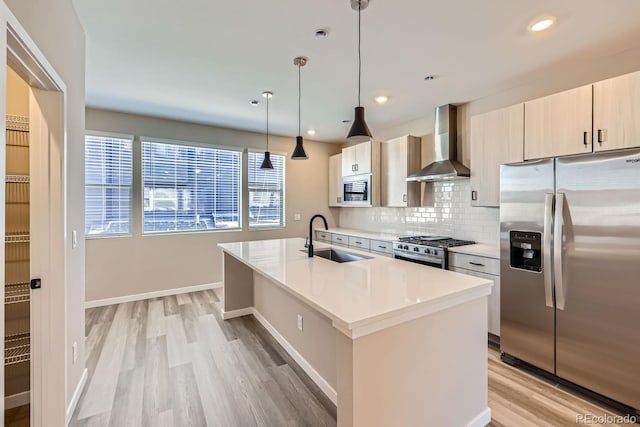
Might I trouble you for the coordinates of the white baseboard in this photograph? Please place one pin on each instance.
(18, 399)
(482, 419)
(76, 395)
(155, 294)
(313, 374)
(226, 315)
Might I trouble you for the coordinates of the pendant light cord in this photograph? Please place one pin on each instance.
(267, 122)
(299, 96)
(359, 53)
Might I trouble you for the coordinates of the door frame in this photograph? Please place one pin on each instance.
(48, 112)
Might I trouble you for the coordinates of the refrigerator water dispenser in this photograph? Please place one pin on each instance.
(526, 253)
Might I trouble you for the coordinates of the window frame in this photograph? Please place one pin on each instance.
(191, 144)
(283, 201)
(114, 135)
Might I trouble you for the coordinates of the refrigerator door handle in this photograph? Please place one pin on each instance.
(558, 229)
(546, 248)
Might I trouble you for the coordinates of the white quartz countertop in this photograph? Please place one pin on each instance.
(363, 296)
(488, 251)
(360, 233)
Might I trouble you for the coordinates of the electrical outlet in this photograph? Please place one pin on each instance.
(74, 351)
(74, 239)
(296, 217)
(299, 322)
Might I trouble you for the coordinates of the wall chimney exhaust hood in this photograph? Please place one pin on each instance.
(446, 165)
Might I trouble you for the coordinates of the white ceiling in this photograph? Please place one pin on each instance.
(204, 60)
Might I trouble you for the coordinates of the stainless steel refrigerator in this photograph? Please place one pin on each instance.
(570, 269)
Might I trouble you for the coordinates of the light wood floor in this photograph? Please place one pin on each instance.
(172, 361)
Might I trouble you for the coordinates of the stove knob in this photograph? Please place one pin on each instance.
(416, 249)
(406, 247)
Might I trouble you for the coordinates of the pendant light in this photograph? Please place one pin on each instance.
(266, 163)
(359, 131)
(298, 152)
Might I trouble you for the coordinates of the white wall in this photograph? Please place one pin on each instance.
(451, 212)
(57, 32)
(139, 264)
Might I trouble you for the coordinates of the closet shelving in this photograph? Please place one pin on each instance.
(17, 250)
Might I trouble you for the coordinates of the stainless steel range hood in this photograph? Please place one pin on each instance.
(446, 165)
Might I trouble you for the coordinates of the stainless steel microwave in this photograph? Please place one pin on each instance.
(356, 190)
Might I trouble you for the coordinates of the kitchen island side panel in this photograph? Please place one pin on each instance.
(316, 343)
(238, 284)
(431, 371)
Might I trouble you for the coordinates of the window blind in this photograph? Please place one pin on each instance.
(266, 192)
(189, 188)
(108, 178)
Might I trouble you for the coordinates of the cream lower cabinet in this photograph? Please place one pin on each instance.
(616, 113)
(486, 268)
(559, 124)
(335, 180)
(497, 138)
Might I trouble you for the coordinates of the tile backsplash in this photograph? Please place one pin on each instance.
(451, 214)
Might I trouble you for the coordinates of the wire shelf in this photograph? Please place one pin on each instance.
(17, 292)
(17, 179)
(16, 238)
(17, 348)
(17, 123)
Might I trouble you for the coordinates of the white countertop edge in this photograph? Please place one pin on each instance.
(387, 320)
(365, 327)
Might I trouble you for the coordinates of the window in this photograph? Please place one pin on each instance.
(107, 188)
(188, 188)
(266, 192)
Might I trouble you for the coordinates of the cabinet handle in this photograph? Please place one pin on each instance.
(474, 195)
(601, 136)
(476, 263)
(357, 167)
(404, 198)
(353, 168)
(339, 239)
(586, 138)
(382, 247)
(358, 243)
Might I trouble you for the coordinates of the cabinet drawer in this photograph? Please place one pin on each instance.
(359, 242)
(323, 236)
(340, 239)
(382, 246)
(475, 263)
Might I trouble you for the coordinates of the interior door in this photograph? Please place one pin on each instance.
(526, 305)
(598, 344)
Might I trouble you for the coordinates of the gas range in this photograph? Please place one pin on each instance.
(428, 250)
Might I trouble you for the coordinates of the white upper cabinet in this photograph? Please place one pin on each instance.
(559, 124)
(399, 158)
(616, 113)
(497, 138)
(335, 180)
(357, 159)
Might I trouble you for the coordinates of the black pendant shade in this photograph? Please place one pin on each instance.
(266, 163)
(298, 152)
(359, 130)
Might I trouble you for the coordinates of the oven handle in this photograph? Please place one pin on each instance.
(409, 255)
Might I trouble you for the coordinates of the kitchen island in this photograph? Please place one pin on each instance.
(389, 341)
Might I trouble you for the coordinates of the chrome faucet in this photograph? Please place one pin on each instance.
(326, 227)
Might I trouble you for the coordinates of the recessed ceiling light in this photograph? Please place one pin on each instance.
(321, 33)
(254, 102)
(430, 77)
(541, 24)
(311, 132)
(382, 99)
(267, 94)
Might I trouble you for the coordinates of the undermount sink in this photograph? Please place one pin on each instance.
(337, 256)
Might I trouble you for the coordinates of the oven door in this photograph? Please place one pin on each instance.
(419, 259)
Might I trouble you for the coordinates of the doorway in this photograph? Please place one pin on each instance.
(32, 214)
